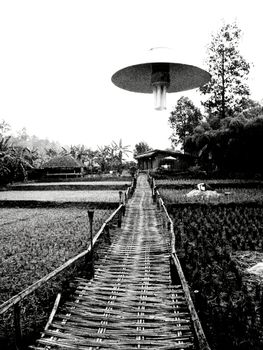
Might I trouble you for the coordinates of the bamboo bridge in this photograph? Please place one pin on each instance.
(131, 302)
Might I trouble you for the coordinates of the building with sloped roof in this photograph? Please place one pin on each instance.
(174, 160)
(63, 166)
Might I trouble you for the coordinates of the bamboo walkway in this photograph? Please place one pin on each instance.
(130, 303)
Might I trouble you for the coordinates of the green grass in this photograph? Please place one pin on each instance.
(33, 242)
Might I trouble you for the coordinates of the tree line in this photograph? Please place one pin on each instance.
(227, 135)
(19, 154)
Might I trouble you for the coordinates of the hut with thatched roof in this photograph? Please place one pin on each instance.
(63, 167)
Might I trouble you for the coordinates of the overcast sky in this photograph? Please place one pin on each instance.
(57, 58)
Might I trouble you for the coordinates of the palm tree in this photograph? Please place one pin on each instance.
(90, 158)
(51, 152)
(78, 152)
(5, 171)
(4, 143)
(119, 150)
(103, 157)
(21, 160)
(14, 161)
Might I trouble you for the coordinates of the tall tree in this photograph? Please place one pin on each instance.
(227, 91)
(252, 109)
(141, 148)
(183, 120)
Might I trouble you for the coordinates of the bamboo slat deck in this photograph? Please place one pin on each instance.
(130, 303)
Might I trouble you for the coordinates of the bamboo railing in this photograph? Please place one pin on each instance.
(15, 301)
(199, 332)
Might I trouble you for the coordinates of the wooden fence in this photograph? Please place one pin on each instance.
(15, 301)
(200, 335)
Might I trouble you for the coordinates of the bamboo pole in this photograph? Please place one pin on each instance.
(53, 312)
(107, 232)
(91, 217)
(120, 197)
(154, 195)
(90, 257)
(119, 218)
(123, 210)
(17, 324)
(200, 335)
(201, 338)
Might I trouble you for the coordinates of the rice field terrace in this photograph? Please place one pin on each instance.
(86, 178)
(96, 194)
(77, 185)
(228, 195)
(217, 240)
(61, 196)
(33, 242)
(217, 184)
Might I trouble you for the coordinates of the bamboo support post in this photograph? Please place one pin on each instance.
(153, 184)
(119, 218)
(158, 202)
(154, 195)
(134, 182)
(120, 197)
(107, 233)
(91, 217)
(17, 324)
(53, 312)
(123, 210)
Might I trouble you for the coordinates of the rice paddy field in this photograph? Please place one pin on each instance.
(227, 196)
(213, 182)
(38, 233)
(217, 241)
(61, 196)
(33, 242)
(76, 185)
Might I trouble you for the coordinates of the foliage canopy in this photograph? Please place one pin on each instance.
(227, 92)
(183, 120)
